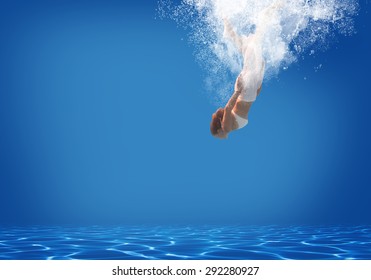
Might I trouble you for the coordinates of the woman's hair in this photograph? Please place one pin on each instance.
(216, 121)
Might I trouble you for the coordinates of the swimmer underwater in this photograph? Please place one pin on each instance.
(249, 83)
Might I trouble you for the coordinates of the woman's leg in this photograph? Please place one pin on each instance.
(266, 16)
(231, 34)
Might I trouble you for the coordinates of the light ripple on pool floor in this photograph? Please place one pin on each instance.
(199, 242)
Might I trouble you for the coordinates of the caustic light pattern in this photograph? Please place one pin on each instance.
(203, 242)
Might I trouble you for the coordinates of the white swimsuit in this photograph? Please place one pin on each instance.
(240, 120)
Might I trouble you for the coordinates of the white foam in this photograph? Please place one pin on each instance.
(298, 27)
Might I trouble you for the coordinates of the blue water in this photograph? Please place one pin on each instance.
(200, 242)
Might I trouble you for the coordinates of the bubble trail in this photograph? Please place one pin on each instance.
(294, 28)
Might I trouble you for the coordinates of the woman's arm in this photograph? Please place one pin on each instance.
(228, 123)
(228, 119)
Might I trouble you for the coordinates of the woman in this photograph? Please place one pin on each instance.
(248, 84)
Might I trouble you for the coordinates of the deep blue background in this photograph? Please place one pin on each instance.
(104, 119)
